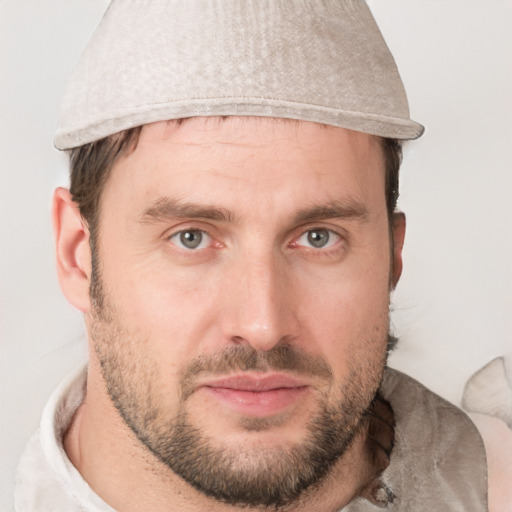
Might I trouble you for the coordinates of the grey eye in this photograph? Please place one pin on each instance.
(191, 239)
(318, 238)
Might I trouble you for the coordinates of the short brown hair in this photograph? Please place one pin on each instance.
(90, 167)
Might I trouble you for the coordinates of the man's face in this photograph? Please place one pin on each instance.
(240, 312)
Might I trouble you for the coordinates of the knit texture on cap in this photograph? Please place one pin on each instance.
(312, 60)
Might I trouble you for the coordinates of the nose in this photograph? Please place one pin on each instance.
(260, 310)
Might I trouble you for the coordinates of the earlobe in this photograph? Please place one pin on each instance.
(72, 249)
(398, 244)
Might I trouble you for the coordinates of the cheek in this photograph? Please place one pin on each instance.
(348, 316)
(171, 309)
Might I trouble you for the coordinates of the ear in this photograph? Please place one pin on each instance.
(72, 250)
(398, 226)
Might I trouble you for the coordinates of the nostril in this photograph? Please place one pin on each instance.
(238, 340)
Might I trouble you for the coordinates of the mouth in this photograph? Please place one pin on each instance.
(256, 395)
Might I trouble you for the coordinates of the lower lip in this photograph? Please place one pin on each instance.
(258, 403)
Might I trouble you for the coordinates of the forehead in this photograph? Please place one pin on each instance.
(255, 132)
(223, 157)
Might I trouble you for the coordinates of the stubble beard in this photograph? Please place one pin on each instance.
(258, 476)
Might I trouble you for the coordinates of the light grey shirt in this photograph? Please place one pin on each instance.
(437, 464)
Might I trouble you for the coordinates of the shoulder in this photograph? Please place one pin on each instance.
(46, 479)
(38, 487)
(419, 410)
(438, 451)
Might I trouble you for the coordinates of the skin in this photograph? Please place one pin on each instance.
(255, 281)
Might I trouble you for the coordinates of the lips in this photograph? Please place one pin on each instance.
(256, 395)
(256, 383)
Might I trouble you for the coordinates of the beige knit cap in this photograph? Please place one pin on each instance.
(312, 60)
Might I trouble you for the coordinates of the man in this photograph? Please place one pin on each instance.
(230, 236)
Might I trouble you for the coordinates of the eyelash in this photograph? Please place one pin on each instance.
(178, 235)
(329, 246)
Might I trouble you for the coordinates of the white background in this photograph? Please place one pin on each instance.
(453, 307)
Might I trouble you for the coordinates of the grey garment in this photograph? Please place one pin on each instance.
(46, 480)
(437, 465)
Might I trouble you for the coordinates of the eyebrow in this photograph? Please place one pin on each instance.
(347, 209)
(166, 208)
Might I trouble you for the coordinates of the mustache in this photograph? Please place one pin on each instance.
(245, 358)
